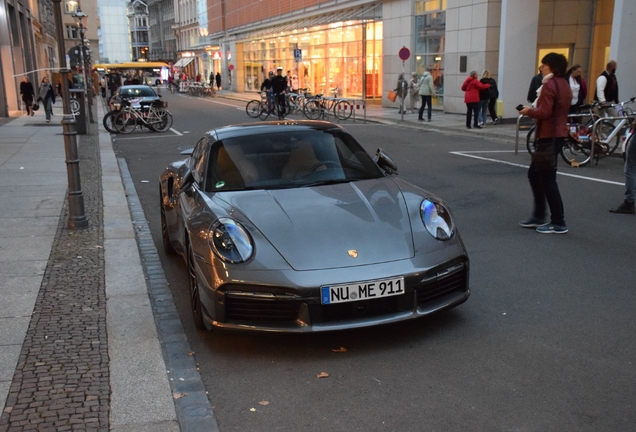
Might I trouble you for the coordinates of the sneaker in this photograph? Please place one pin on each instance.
(419, 119)
(552, 229)
(533, 222)
(479, 126)
(495, 121)
(429, 119)
(625, 207)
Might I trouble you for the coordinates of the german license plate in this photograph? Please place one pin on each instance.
(361, 290)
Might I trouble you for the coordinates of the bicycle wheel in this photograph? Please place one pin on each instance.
(125, 123)
(253, 108)
(576, 153)
(343, 110)
(265, 111)
(530, 139)
(165, 122)
(109, 120)
(312, 110)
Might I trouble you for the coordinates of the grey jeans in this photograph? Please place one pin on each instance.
(630, 169)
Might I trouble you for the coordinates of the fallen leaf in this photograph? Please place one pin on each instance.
(339, 350)
(253, 409)
(322, 375)
(263, 403)
(178, 395)
(191, 353)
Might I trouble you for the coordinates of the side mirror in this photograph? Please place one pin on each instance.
(385, 162)
(185, 178)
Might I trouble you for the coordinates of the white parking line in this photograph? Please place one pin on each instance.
(466, 154)
(176, 132)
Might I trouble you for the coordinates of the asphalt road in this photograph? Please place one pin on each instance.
(545, 342)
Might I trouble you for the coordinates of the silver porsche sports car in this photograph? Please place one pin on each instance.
(293, 227)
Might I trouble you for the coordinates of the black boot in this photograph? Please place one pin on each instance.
(625, 207)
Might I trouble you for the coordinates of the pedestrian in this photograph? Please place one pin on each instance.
(535, 83)
(102, 87)
(218, 80)
(197, 78)
(47, 97)
(27, 92)
(414, 89)
(288, 79)
(578, 87)
(488, 98)
(426, 92)
(551, 115)
(471, 88)
(607, 90)
(279, 86)
(267, 88)
(401, 90)
(627, 206)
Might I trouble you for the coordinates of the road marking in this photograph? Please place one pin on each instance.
(176, 132)
(135, 138)
(465, 154)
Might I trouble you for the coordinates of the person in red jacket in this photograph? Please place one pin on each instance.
(551, 115)
(471, 89)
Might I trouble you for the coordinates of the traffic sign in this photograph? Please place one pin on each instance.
(298, 55)
(404, 53)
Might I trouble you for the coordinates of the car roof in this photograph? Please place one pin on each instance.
(246, 129)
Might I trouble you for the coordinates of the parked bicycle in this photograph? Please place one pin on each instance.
(152, 115)
(321, 107)
(578, 149)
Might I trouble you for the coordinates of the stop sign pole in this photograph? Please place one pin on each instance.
(404, 54)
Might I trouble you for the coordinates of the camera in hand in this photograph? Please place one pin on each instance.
(519, 107)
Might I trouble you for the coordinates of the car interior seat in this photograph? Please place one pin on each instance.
(233, 168)
(302, 159)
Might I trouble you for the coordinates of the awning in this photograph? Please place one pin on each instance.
(130, 65)
(183, 62)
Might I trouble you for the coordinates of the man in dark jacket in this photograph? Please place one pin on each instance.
(279, 86)
(534, 86)
(607, 88)
(27, 92)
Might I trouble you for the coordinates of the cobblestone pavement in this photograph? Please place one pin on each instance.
(62, 378)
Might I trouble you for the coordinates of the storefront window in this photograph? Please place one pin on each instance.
(333, 59)
(430, 24)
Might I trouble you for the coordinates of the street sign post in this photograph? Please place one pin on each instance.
(298, 55)
(404, 55)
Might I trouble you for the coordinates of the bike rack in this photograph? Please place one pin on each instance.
(594, 129)
(358, 102)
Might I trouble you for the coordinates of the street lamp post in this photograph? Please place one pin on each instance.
(76, 215)
(80, 21)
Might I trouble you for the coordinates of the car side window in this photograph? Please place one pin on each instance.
(197, 161)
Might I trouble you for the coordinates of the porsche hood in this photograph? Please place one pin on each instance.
(332, 226)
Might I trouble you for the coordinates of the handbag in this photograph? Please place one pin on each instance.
(391, 95)
(35, 107)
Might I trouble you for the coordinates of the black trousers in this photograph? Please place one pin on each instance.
(491, 108)
(545, 189)
(472, 108)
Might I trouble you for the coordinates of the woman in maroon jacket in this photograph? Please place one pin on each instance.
(471, 89)
(551, 115)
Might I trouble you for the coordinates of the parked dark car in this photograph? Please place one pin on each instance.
(135, 94)
(293, 227)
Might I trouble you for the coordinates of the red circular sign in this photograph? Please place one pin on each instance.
(404, 53)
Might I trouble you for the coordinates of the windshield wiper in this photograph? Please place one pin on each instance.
(327, 182)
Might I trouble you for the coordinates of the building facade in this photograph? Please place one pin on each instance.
(114, 34)
(163, 43)
(137, 13)
(353, 45)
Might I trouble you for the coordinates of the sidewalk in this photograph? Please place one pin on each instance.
(89, 335)
(79, 342)
(440, 122)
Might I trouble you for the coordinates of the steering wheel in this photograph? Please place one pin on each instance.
(326, 164)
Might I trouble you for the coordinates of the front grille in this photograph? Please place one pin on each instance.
(455, 281)
(246, 308)
(356, 309)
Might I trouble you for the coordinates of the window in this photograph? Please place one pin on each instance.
(71, 32)
(70, 6)
(430, 37)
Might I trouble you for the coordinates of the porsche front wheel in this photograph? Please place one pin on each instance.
(195, 299)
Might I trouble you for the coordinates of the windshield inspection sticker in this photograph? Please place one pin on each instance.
(219, 184)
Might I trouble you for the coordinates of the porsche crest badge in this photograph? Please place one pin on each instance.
(353, 253)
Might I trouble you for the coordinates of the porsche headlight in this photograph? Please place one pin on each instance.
(230, 241)
(437, 220)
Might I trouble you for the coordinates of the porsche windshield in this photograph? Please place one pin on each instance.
(288, 159)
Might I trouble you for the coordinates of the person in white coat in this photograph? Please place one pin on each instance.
(427, 90)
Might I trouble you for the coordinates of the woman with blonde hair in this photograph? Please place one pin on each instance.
(488, 98)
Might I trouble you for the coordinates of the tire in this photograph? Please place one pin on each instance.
(343, 110)
(108, 121)
(530, 140)
(195, 296)
(253, 108)
(312, 110)
(165, 236)
(165, 123)
(575, 154)
(265, 111)
(125, 125)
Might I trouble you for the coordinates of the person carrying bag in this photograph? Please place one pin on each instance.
(551, 114)
(47, 96)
